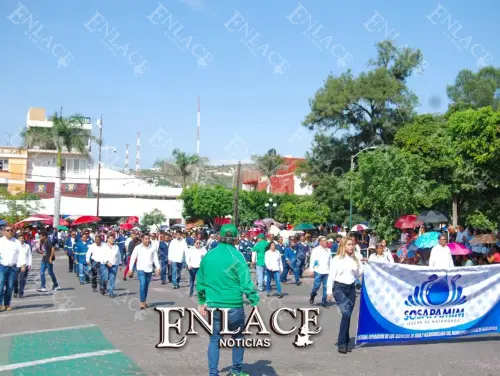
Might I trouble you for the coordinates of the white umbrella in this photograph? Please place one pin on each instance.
(360, 227)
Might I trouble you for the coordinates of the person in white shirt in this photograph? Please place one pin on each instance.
(387, 251)
(345, 269)
(176, 253)
(193, 260)
(23, 266)
(147, 259)
(441, 255)
(9, 252)
(320, 267)
(93, 257)
(110, 260)
(380, 255)
(274, 268)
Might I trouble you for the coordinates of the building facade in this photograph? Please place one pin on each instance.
(13, 169)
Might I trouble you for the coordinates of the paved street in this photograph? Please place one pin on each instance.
(107, 336)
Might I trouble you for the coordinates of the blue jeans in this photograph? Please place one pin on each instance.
(286, 270)
(144, 279)
(300, 266)
(176, 273)
(259, 270)
(50, 268)
(83, 271)
(192, 279)
(273, 275)
(345, 296)
(7, 279)
(163, 268)
(108, 274)
(236, 319)
(318, 280)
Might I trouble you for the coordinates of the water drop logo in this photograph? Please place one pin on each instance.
(437, 292)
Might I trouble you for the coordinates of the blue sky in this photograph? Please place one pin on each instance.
(145, 74)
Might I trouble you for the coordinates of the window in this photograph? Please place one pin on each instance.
(4, 164)
(76, 166)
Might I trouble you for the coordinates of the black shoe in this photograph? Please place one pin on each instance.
(163, 282)
(298, 283)
(15, 295)
(342, 350)
(349, 349)
(324, 305)
(176, 287)
(281, 295)
(103, 292)
(94, 290)
(311, 300)
(21, 296)
(268, 294)
(124, 278)
(70, 271)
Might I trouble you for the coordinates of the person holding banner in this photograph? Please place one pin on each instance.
(345, 269)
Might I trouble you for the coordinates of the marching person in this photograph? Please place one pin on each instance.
(23, 267)
(134, 242)
(258, 260)
(147, 258)
(81, 257)
(380, 255)
(69, 247)
(291, 263)
(49, 255)
(223, 278)
(93, 257)
(110, 261)
(441, 255)
(163, 256)
(319, 264)
(176, 254)
(345, 269)
(9, 253)
(274, 267)
(193, 260)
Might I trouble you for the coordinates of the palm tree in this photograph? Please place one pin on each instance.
(182, 163)
(66, 134)
(268, 165)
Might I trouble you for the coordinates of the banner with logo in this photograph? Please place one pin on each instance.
(407, 302)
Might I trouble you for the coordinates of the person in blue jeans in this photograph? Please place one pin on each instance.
(291, 263)
(110, 261)
(146, 257)
(80, 258)
(223, 279)
(163, 256)
(319, 266)
(9, 252)
(47, 264)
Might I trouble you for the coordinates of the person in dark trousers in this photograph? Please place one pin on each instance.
(94, 258)
(131, 266)
(23, 267)
(47, 264)
(223, 279)
(9, 252)
(69, 248)
(163, 256)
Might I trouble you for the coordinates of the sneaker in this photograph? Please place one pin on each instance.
(280, 295)
(56, 288)
(163, 282)
(15, 295)
(8, 308)
(2, 308)
(268, 294)
(43, 289)
(298, 283)
(311, 300)
(342, 350)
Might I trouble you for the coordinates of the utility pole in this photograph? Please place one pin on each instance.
(8, 138)
(99, 123)
(237, 195)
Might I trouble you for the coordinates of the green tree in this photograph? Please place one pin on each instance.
(66, 135)
(15, 208)
(475, 90)
(268, 165)
(182, 163)
(207, 203)
(154, 218)
(306, 210)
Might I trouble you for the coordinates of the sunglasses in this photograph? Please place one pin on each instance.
(8, 230)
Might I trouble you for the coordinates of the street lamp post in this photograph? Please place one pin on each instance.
(270, 206)
(99, 124)
(350, 189)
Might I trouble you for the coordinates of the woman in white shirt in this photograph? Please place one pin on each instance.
(345, 269)
(23, 266)
(380, 255)
(387, 251)
(146, 258)
(193, 260)
(274, 268)
(111, 260)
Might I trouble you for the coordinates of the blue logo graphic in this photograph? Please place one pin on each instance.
(437, 292)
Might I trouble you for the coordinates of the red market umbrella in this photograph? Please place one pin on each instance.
(132, 220)
(126, 226)
(85, 219)
(458, 249)
(407, 221)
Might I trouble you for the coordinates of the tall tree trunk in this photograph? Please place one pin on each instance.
(184, 181)
(57, 191)
(455, 209)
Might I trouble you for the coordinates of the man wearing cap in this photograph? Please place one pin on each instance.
(258, 259)
(223, 279)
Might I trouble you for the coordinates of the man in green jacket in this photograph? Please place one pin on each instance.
(223, 279)
(258, 260)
